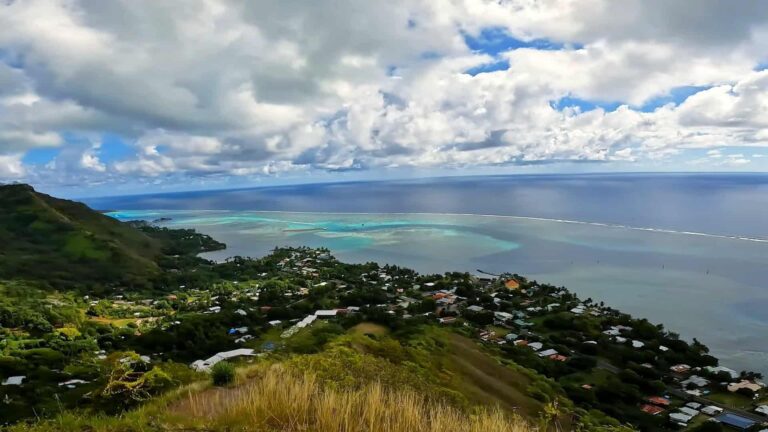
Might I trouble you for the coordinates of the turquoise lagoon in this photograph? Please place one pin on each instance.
(709, 287)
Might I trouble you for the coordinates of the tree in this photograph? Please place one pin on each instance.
(131, 379)
(223, 373)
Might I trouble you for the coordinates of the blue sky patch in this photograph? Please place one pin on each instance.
(488, 67)
(114, 148)
(676, 96)
(496, 40)
(40, 156)
(583, 104)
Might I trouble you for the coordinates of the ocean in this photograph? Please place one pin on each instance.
(686, 250)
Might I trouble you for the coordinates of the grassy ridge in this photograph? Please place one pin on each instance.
(64, 242)
(284, 400)
(301, 393)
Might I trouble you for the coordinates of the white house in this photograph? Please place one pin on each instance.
(712, 410)
(716, 370)
(14, 380)
(206, 365)
(326, 313)
(680, 418)
(696, 381)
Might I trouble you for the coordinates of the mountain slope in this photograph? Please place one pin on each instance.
(65, 242)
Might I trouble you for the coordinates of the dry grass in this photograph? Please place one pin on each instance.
(369, 328)
(285, 401)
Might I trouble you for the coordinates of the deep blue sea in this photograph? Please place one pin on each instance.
(689, 251)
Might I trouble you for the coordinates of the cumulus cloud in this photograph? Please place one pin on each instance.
(11, 167)
(226, 88)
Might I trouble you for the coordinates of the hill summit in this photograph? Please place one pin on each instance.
(64, 242)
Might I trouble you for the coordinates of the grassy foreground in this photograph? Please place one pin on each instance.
(282, 400)
(274, 398)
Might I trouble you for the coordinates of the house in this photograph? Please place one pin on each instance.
(309, 319)
(547, 353)
(475, 308)
(658, 400)
(711, 410)
(535, 346)
(762, 409)
(688, 411)
(637, 344)
(512, 284)
(243, 339)
(72, 383)
(14, 380)
(274, 323)
(720, 369)
(680, 418)
(651, 409)
(680, 368)
(558, 357)
(578, 310)
(744, 384)
(695, 381)
(693, 405)
(510, 337)
(241, 312)
(503, 316)
(206, 365)
(447, 320)
(326, 313)
(521, 323)
(735, 421)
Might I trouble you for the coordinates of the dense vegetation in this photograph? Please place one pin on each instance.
(92, 344)
(63, 243)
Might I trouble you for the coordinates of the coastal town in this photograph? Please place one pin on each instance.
(603, 359)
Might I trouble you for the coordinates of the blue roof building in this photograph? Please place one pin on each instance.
(735, 421)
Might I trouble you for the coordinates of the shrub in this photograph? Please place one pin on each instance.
(223, 373)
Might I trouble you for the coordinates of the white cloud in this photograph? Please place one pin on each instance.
(217, 88)
(11, 167)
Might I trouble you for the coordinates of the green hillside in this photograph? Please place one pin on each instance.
(65, 242)
(298, 340)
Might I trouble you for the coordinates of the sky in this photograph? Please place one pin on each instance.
(130, 96)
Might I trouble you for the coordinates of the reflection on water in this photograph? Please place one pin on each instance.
(709, 287)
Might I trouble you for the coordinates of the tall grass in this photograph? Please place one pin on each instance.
(286, 401)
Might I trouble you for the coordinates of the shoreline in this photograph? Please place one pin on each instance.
(529, 218)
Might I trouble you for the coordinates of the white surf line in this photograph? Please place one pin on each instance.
(532, 218)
